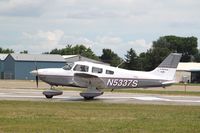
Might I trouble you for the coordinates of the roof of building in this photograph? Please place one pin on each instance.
(69, 56)
(73, 58)
(3, 56)
(38, 57)
(188, 66)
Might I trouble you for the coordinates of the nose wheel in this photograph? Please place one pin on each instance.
(88, 98)
(50, 93)
(49, 96)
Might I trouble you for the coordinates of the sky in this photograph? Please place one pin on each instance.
(42, 25)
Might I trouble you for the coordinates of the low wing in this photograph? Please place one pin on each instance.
(85, 80)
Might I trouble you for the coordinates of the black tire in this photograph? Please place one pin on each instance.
(49, 96)
(88, 98)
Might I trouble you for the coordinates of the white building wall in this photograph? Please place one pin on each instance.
(182, 76)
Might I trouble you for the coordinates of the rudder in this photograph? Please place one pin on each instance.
(171, 61)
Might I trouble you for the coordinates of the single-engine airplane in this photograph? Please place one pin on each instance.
(96, 77)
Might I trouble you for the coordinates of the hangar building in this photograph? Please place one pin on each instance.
(188, 72)
(73, 58)
(18, 66)
(2, 59)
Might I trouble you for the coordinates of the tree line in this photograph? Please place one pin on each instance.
(144, 61)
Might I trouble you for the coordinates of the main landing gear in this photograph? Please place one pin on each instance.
(90, 93)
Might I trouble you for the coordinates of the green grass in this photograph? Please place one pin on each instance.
(164, 92)
(189, 84)
(144, 91)
(90, 117)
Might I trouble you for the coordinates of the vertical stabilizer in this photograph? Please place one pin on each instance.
(167, 69)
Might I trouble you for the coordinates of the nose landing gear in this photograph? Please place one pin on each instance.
(52, 92)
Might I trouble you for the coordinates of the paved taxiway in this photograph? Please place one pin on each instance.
(109, 97)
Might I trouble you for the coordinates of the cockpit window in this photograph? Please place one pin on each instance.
(109, 72)
(81, 68)
(97, 70)
(68, 66)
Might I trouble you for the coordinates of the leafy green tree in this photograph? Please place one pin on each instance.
(185, 45)
(197, 56)
(24, 52)
(141, 61)
(165, 45)
(153, 57)
(108, 56)
(75, 50)
(146, 61)
(6, 51)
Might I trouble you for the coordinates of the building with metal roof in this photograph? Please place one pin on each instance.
(2, 58)
(18, 66)
(38, 57)
(74, 58)
(188, 72)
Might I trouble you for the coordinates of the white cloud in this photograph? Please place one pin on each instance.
(51, 35)
(74, 40)
(140, 43)
(119, 46)
(109, 40)
(45, 41)
(41, 41)
(55, 35)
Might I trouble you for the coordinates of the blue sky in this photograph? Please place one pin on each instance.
(42, 25)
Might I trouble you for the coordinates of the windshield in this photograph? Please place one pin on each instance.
(68, 66)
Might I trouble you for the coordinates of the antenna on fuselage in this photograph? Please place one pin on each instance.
(79, 57)
(120, 63)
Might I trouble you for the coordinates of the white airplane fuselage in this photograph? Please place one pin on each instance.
(112, 77)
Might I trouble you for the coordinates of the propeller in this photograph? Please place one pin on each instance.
(35, 73)
(36, 76)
